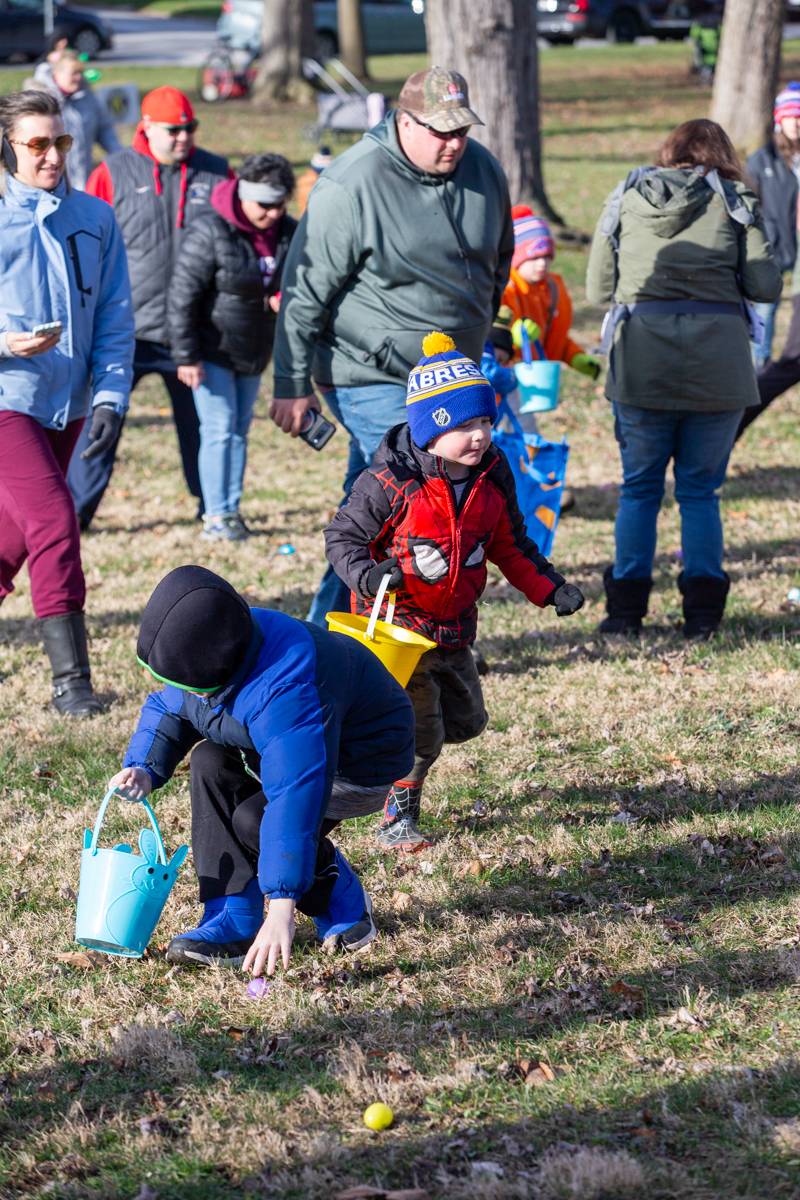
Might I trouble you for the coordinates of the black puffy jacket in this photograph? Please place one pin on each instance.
(218, 307)
(776, 186)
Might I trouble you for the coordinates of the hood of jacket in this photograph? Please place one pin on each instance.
(225, 201)
(669, 200)
(385, 136)
(195, 632)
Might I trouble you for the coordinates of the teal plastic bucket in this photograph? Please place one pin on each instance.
(538, 385)
(122, 894)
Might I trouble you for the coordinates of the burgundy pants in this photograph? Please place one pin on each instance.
(37, 515)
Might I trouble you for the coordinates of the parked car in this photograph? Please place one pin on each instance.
(22, 30)
(564, 21)
(390, 26)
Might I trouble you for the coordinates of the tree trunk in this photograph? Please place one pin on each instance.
(351, 37)
(747, 70)
(493, 45)
(287, 36)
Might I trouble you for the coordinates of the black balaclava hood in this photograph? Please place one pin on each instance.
(195, 630)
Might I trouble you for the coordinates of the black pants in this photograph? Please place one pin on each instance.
(89, 480)
(778, 376)
(227, 807)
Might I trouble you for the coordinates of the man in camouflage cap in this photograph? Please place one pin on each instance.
(439, 99)
(409, 230)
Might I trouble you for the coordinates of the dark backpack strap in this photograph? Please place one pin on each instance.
(610, 220)
(735, 207)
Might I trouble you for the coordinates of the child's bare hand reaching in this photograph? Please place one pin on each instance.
(273, 940)
(133, 783)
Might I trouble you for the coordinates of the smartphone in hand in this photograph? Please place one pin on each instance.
(317, 431)
(49, 327)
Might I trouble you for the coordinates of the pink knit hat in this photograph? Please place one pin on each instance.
(787, 103)
(532, 236)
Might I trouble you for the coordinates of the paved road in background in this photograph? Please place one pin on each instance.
(155, 41)
(139, 39)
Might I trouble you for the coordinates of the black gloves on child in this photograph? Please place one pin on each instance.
(103, 431)
(567, 599)
(373, 577)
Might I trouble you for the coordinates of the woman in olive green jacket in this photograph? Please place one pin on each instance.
(678, 250)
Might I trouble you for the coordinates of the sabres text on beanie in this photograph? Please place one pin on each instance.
(195, 630)
(532, 236)
(445, 389)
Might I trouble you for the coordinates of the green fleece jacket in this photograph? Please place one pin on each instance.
(384, 254)
(677, 242)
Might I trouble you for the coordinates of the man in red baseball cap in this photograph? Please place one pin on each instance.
(158, 187)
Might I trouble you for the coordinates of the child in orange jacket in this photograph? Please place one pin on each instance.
(538, 297)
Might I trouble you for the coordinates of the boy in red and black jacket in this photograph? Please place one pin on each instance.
(437, 502)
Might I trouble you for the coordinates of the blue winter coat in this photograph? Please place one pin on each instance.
(62, 258)
(311, 704)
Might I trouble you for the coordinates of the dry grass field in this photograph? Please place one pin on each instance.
(588, 988)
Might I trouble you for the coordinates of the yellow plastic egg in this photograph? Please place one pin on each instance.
(378, 1116)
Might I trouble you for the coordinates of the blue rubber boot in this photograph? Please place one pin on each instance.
(225, 933)
(348, 921)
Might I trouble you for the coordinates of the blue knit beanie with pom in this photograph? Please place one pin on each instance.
(445, 389)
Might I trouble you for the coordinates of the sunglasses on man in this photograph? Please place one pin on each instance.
(442, 135)
(187, 127)
(266, 205)
(39, 146)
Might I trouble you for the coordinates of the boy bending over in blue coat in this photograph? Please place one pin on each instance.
(303, 728)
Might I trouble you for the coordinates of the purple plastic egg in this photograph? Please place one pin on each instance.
(257, 989)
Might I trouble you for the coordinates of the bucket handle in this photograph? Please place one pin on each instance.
(162, 854)
(378, 605)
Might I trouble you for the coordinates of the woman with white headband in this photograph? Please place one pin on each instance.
(223, 301)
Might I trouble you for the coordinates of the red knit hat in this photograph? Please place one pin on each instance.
(168, 106)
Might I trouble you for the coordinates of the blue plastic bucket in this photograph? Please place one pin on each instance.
(122, 894)
(538, 385)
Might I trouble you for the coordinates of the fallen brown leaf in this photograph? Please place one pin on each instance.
(366, 1191)
(533, 1072)
(628, 991)
(682, 1018)
(237, 1032)
(84, 960)
(401, 901)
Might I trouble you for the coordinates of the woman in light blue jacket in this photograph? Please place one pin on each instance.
(66, 345)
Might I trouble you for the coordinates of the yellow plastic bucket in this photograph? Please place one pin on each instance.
(398, 649)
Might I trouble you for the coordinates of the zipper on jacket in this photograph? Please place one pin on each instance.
(72, 242)
(462, 250)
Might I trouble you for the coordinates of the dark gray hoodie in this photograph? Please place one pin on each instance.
(384, 254)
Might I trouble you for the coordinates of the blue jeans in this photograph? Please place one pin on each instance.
(762, 352)
(224, 403)
(367, 414)
(699, 445)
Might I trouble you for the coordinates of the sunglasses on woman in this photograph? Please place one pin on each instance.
(40, 145)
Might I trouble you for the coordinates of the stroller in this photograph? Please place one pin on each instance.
(227, 74)
(344, 105)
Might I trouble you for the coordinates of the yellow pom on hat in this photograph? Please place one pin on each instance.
(436, 343)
